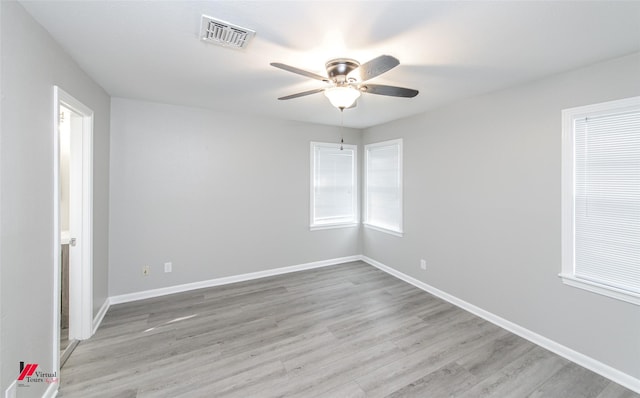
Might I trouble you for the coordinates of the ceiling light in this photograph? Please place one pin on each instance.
(342, 97)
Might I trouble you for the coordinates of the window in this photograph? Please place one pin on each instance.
(601, 198)
(334, 192)
(383, 186)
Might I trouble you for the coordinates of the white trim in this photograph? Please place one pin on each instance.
(567, 179)
(602, 108)
(52, 390)
(125, 298)
(568, 274)
(599, 288)
(81, 287)
(97, 320)
(365, 217)
(319, 227)
(385, 230)
(12, 390)
(86, 288)
(356, 197)
(594, 365)
(56, 232)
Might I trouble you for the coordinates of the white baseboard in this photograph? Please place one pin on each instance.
(596, 366)
(125, 298)
(52, 391)
(97, 320)
(12, 390)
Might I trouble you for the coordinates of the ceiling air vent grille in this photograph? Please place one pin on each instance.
(224, 34)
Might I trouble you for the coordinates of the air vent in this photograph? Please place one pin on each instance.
(224, 34)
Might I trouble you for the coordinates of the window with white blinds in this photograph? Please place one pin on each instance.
(383, 186)
(601, 198)
(334, 190)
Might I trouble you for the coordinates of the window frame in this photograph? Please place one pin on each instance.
(568, 274)
(365, 207)
(313, 225)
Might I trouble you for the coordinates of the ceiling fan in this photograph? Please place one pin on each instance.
(347, 80)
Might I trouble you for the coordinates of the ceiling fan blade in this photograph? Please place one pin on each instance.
(392, 91)
(373, 68)
(302, 94)
(299, 71)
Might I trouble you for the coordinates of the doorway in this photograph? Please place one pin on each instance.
(73, 197)
(68, 121)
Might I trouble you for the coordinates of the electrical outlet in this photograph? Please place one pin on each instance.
(423, 264)
(167, 267)
(146, 270)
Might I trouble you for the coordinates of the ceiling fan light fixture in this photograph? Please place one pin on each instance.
(342, 97)
(347, 77)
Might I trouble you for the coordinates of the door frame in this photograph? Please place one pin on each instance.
(80, 275)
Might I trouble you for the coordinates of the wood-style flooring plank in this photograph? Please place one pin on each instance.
(342, 331)
(450, 380)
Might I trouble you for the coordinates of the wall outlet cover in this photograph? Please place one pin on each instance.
(168, 267)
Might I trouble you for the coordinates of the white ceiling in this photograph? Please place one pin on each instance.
(450, 50)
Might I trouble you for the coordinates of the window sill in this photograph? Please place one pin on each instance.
(385, 230)
(599, 288)
(319, 227)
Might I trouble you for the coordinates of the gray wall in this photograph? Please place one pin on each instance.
(482, 206)
(32, 63)
(216, 194)
(220, 195)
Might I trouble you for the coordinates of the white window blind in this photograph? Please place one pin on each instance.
(383, 186)
(333, 185)
(606, 197)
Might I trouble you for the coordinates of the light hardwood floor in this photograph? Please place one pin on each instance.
(343, 331)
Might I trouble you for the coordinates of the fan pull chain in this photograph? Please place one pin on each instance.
(341, 128)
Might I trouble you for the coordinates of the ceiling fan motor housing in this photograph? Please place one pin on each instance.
(339, 68)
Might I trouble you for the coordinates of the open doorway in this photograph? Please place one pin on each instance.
(73, 276)
(68, 121)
